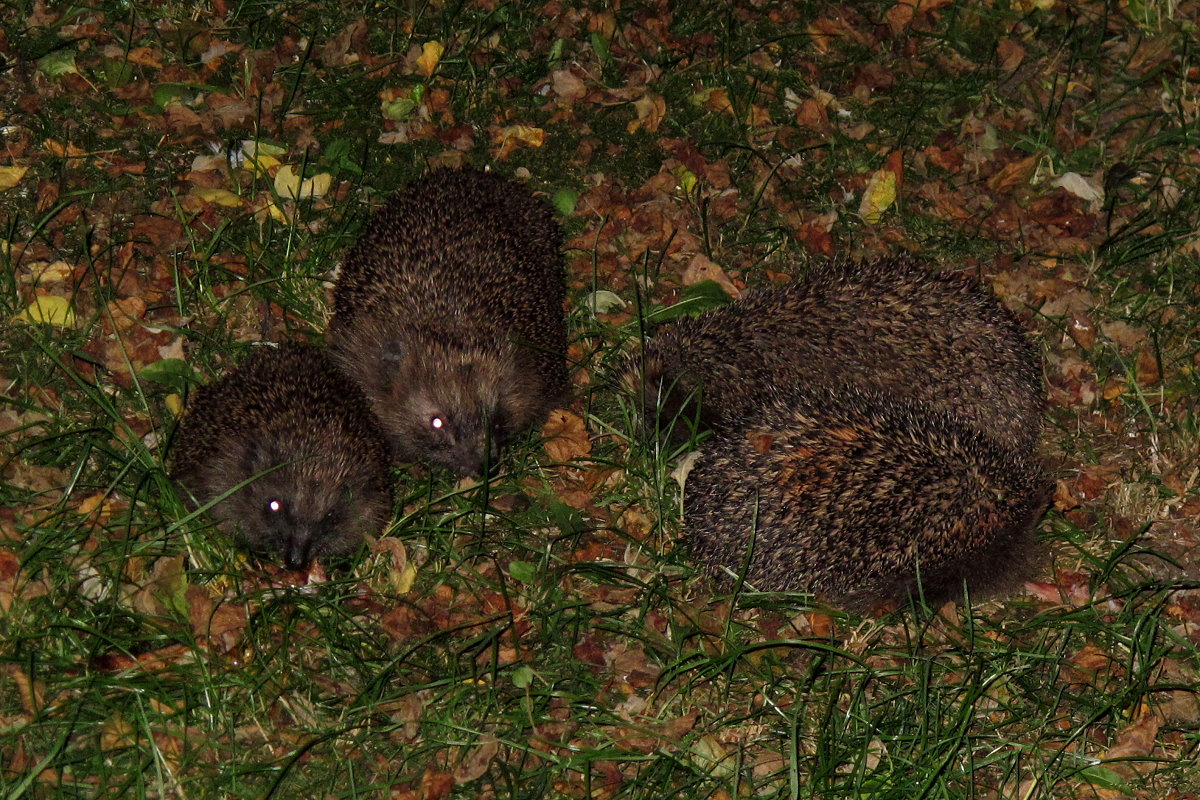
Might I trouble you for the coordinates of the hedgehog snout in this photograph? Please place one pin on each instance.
(297, 547)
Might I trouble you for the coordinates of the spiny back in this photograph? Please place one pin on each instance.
(462, 248)
(852, 494)
(887, 325)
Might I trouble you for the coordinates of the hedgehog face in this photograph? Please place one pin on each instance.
(447, 403)
(299, 508)
(453, 424)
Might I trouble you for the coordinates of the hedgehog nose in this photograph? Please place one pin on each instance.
(296, 550)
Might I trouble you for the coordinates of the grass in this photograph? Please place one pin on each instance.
(551, 641)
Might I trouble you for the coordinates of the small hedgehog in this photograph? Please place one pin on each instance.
(887, 325)
(858, 497)
(448, 312)
(302, 439)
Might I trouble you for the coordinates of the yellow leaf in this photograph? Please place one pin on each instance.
(174, 404)
(262, 156)
(687, 180)
(403, 583)
(11, 176)
(262, 162)
(508, 138)
(221, 197)
(50, 310)
(289, 184)
(431, 54)
(68, 150)
(878, 196)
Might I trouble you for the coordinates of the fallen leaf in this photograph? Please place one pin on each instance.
(651, 109)
(289, 184)
(567, 86)
(11, 176)
(431, 54)
(1013, 174)
(566, 437)
(702, 268)
(1010, 54)
(68, 150)
(48, 309)
(511, 137)
(220, 197)
(1080, 186)
(475, 765)
(436, 785)
(1148, 372)
(878, 196)
(1123, 335)
(401, 571)
(1135, 740)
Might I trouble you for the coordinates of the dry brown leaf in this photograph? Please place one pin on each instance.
(1013, 174)
(566, 437)
(117, 733)
(718, 100)
(475, 765)
(1123, 335)
(1010, 53)
(32, 693)
(215, 620)
(436, 785)
(1148, 372)
(567, 86)
(651, 110)
(899, 17)
(1135, 740)
(1083, 331)
(57, 148)
(635, 523)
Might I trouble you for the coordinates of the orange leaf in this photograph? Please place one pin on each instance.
(1013, 174)
(431, 54)
(566, 437)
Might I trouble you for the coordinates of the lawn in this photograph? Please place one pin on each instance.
(178, 184)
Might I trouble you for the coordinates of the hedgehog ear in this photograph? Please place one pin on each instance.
(259, 454)
(393, 351)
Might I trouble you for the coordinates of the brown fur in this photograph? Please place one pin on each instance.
(887, 325)
(303, 436)
(449, 314)
(854, 495)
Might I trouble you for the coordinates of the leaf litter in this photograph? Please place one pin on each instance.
(687, 166)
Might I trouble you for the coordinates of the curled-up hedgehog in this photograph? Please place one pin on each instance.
(448, 312)
(863, 499)
(289, 449)
(888, 325)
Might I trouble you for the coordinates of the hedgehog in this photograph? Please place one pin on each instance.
(288, 450)
(448, 312)
(863, 498)
(888, 325)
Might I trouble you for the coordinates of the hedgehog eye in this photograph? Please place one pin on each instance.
(437, 423)
(274, 506)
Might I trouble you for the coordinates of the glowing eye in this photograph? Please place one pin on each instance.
(275, 506)
(437, 423)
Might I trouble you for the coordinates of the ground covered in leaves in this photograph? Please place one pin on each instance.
(179, 180)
